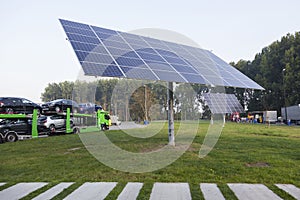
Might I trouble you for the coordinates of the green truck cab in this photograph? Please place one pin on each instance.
(103, 120)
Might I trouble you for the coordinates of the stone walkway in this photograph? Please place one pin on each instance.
(160, 191)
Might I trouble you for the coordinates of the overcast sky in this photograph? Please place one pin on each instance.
(34, 51)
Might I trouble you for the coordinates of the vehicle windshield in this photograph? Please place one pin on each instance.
(55, 101)
(26, 101)
(42, 118)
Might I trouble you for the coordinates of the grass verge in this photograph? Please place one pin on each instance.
(245, 153)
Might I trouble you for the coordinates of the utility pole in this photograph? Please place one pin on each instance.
(284, 96)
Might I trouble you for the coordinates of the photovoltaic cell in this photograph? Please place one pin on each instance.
(221, 103)
(94, 69)
(139, 73)
(105, 52)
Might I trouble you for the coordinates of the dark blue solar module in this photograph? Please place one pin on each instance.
(105, 52)
(221, 103)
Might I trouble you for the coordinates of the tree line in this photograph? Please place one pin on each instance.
(277, 69)
(131, 99)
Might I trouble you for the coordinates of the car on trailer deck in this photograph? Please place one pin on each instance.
(11, 105)
(14, 129)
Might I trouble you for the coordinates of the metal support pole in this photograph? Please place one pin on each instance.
(98, 119)
(68, 121)
(171, 114)
(146, 113)
(34, 131)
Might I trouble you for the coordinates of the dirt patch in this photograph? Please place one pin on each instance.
(258, 164)
(72, 149)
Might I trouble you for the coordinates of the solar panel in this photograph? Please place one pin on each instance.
(221, 103)
(105, 52)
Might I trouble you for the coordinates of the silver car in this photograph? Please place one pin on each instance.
(53, 123)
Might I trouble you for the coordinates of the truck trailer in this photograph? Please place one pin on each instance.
(293, 114)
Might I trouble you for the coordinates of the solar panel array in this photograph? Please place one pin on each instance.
(105, 52)
(221, 103)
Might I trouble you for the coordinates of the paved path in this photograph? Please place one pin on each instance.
(160, 191)
(211, 191)
(20, 190)
(171, 191)
(52, 192)
(252, 192)
(291, 189)
(131, 191)
(92, 191)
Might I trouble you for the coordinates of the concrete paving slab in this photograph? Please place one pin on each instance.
(245, 191)
(131, 191)
(2, 184)
(52, 192)
(211, 191)
(291, 189)
(20, 190)
(92, 191)
(170, 191)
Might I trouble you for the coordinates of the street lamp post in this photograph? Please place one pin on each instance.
(284, 96)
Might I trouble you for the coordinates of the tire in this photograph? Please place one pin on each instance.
(52, 128)
(11, 137)
(57, 109)
(9, 110)
(76, 130)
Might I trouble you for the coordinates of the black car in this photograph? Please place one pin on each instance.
(59, 106)
(12, 129)
(11, 105)
(89, 108)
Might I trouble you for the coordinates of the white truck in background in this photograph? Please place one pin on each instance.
(293, 114)
(115, 120)
(270, 116)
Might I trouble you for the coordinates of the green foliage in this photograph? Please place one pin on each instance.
(267, 70)
(58, 91)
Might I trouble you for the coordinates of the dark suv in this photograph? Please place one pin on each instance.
(59, 106)
(10, 105)
(13, 129)
(88, 108)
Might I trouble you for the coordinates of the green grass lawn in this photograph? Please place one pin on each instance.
(245, 153)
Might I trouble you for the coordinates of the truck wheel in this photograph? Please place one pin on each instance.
(76, 130)
(11, 137)
(52, 128)
(57, 109)
(9, 110)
